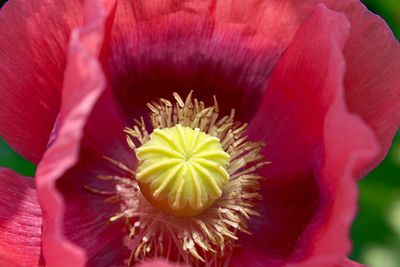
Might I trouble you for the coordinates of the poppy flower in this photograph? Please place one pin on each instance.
(202, 133)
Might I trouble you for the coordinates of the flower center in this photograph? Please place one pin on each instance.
(182, 170)
(195, 187)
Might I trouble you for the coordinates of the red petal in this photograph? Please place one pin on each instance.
(20, 221)
(102, 136)
(372, 78)
(84, 83)
(86, 215)
(33, 38)
(350, 263)
(158, 47)
(372, 54)
(317, 148)
(158, 263)
(156, 50)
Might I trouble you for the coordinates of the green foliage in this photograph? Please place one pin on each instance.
(389, 10)
(374, 231)
(10, 159)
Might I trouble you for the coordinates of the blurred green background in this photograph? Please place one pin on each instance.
(376, 231)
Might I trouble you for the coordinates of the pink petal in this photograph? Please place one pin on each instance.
(154, 42)
(20, 221)
(158, 47)
(33, 38)
(86, 215)
(158, 263)
(350, 263)
(372, 54)
(317, 148)
(102, 135)
(372, 78)
(135, 92)
(84, 83)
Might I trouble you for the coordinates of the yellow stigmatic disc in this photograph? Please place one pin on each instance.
(182, 170)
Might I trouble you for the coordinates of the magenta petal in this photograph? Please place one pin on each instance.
(350, 263)
(86, 215)
(84, 83)
(159, 47)
(371, 52)
(33, 39)
(20, 221)
(159, 263)
(372, 78)
(317, 149)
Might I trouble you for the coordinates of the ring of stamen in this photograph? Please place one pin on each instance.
(204, 238)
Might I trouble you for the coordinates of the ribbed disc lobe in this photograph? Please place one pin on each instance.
(182, 170)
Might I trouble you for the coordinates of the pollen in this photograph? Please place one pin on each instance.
(182, 170)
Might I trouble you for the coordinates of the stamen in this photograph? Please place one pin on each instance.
(195, 187)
